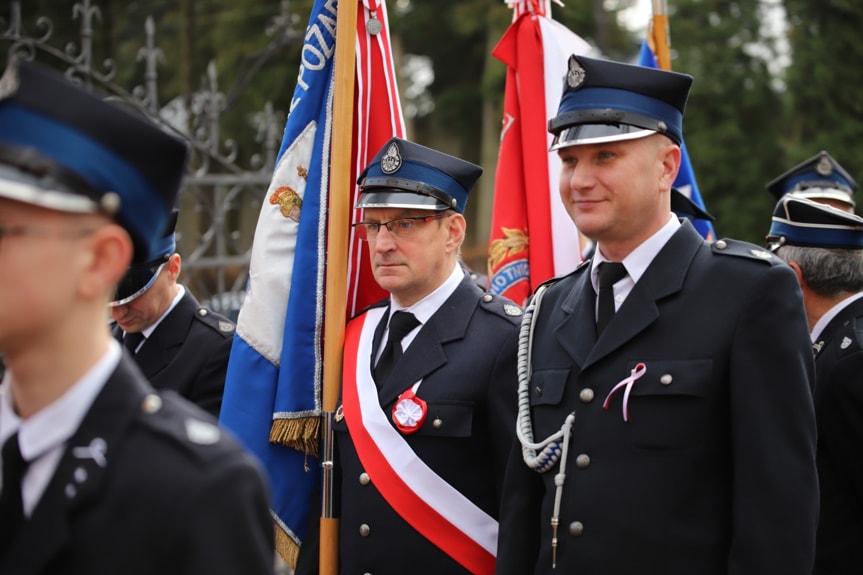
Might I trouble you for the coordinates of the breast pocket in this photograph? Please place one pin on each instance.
(448, 419)
(670, 405)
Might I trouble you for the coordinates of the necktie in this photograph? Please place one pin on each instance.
(609, 274)
(401, 324)
(11, 506)
(133, 340)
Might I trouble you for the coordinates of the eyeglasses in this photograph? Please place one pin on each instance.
(400, 228)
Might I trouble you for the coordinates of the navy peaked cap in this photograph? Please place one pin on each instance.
(64, 148)
(407, 175)
(819, 177)
(605, 101)
(801, 222)
(140, 276)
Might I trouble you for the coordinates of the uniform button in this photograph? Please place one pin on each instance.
(538, 391)
(152, 403)
(721, 245)
(586, 395)
(365, 530)
(364, 479)
(437, 423)
(576, 528)
(665, 379)
(582, 461)
(202, 312)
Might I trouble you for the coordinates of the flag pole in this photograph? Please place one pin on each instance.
(337, 262)
(660, 35)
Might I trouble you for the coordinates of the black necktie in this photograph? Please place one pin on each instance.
(11, 506)
(401, 324)
(133, 340)
(609, 274)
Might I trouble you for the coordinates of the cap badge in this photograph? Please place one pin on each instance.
(576, 74)
(824, 167)
(392, 160)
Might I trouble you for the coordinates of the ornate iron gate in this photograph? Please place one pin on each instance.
(220, 199)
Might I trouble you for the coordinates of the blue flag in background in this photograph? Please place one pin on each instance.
(275, 363)
(685, 181)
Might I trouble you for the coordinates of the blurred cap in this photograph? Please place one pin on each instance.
(407, 175)
(683, 206)
(818, 178)
(63, 148)
(605, 101)
(140, 277)
(801, 222)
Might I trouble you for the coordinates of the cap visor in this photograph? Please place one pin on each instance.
(582, 134)
(379, 198)
(136, 281)
(21, 187)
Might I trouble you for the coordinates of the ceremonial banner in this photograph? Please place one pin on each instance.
(272, 399)
(532, 237)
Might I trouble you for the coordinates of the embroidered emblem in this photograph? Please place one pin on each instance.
(824, 167)
(226, 326)
(846, 341)
(511, 310)
(761, 254)
(575, 75)
(514, 242)
(392, 160)
(96, 451)
(816, 347)
(201, 432)
(302, 172)
(289, 201)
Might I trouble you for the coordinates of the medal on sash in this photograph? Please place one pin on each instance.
(409, 411)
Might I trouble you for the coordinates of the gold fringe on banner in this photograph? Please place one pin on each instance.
(302, 434)
(287, 548)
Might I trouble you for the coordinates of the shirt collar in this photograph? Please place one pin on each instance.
(426, 307)
(831, 313)
(637, 260)
(53, 425)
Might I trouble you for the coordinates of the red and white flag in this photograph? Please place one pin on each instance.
(532, 237)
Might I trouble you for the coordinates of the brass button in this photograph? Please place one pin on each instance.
(586, 395)
(576, 528)
(582, 461)
(365, 530)
(665, 379)
(364, 479)
(437, 423)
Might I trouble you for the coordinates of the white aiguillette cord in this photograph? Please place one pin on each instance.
(550, 449)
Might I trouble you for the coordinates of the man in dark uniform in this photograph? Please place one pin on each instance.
(178, 343)
(824, 247)
(100, 474)
(662, 429)
(428, 397)
(821, 179)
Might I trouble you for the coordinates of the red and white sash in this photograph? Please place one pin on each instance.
(419, 495)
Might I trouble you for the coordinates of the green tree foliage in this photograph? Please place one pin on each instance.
(734, 122)
(824, 79)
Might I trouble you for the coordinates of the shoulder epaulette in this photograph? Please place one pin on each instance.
(500, 305)
(730, 247)
(216, 321)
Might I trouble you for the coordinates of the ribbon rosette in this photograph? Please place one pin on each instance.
(409, 412)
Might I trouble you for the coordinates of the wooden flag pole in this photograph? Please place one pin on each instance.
(335, 295)
(659, 32)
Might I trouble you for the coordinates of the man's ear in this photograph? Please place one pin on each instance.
(670, 156)
(456, 226)
(173, 266)
(798, 272)
(108, 258)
